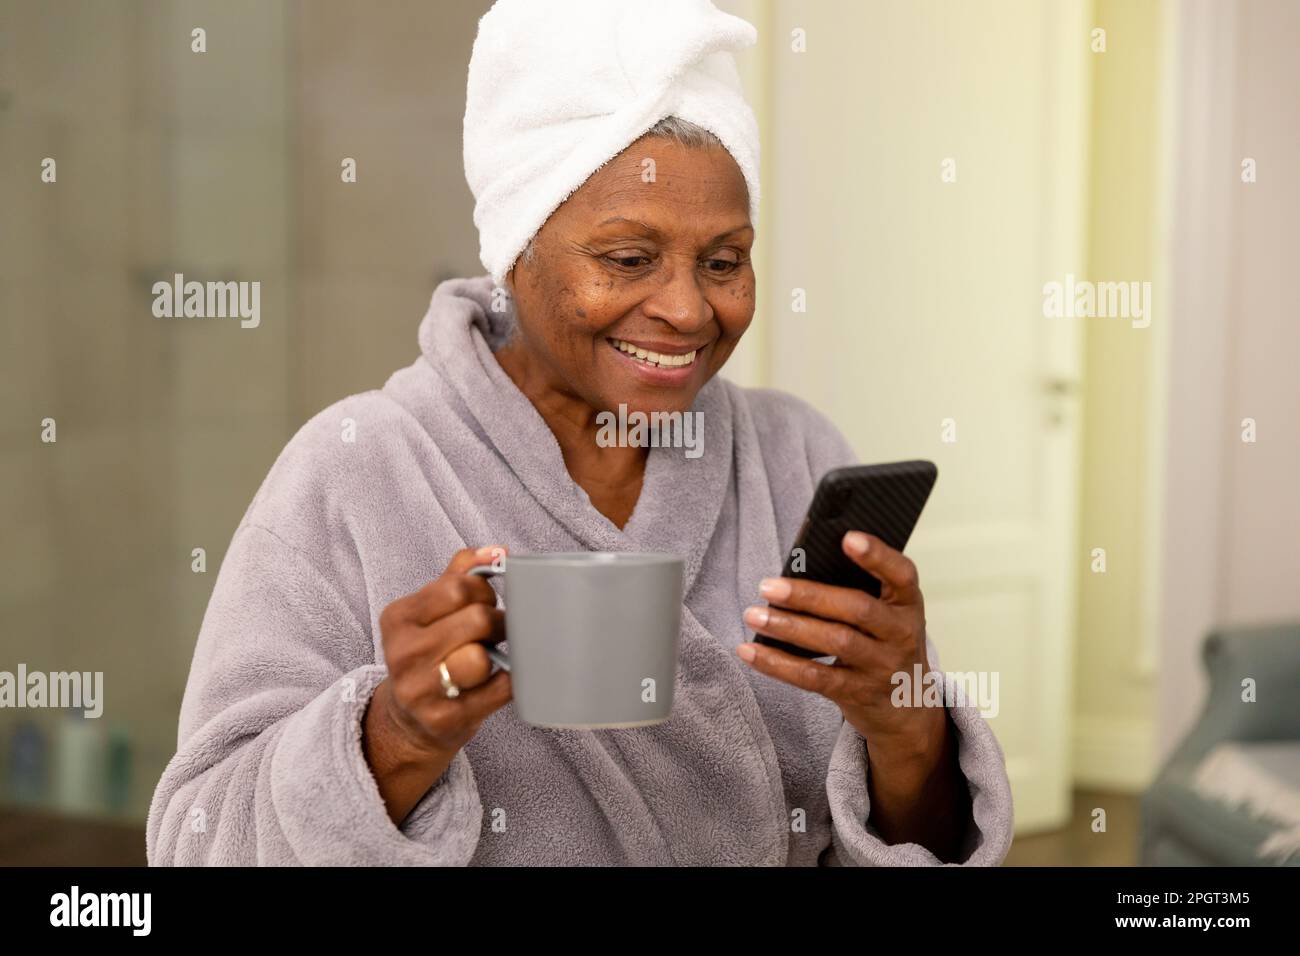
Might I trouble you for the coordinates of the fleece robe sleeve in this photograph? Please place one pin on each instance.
(988, 828)
(269, 768)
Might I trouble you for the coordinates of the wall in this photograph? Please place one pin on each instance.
(1231, 517)
(389, 92)
(1261, 521)
(167, 160)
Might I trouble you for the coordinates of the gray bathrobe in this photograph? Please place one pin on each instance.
(450, 454)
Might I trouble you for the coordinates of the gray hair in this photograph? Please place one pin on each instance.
(684, 132)
(681, 131)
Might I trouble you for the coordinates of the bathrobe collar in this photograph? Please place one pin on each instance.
(680, 497)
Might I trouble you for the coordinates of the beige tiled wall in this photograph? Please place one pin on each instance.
(167, 160)
(385, 85)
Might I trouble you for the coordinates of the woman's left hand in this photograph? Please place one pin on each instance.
(910, 749)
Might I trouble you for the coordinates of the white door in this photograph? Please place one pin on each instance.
(924, 312)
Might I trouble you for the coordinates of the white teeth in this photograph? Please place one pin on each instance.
(654, 358)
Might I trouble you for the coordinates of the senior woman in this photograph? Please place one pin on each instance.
(342, 707)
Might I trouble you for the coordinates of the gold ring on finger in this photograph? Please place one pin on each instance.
(448, 685)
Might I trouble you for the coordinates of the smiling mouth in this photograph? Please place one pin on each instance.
(654, 359)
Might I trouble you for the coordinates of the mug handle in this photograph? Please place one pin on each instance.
(498, 657)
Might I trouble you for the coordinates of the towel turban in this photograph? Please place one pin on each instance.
(557, 88)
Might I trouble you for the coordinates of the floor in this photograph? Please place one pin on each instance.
(34, 839)
(39, 839)
(1077, 844)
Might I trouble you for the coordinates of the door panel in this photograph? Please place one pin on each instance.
(924, 310)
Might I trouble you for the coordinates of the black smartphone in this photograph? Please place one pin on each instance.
(883, 500)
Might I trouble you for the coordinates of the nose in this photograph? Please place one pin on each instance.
(679, 299)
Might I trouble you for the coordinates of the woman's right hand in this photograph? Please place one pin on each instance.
(412, 729)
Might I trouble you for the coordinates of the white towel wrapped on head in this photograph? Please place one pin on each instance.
(557, 88)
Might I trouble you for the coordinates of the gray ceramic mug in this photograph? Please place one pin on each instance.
(593, 636)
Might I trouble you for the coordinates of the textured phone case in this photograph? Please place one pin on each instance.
(883, 500)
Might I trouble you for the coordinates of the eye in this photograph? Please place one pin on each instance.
(627, 259)
(721, 267)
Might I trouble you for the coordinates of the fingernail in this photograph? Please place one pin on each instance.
(775, 589)
(489, 550)
(857, 542)
(746, 652)
(756, 616)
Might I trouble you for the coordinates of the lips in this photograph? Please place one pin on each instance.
(665, 359)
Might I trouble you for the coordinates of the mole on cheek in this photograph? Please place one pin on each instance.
(582, 313)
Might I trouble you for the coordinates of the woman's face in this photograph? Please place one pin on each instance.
(627, 264)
